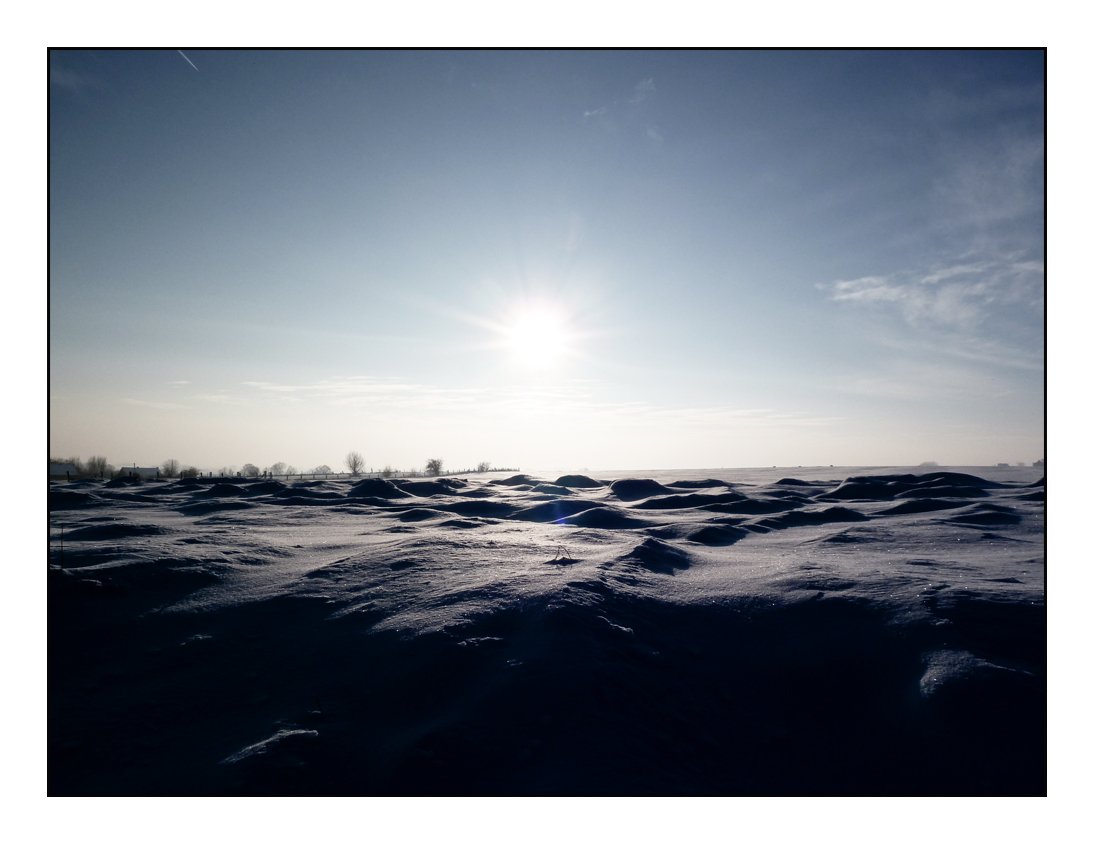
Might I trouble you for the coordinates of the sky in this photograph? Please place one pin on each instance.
(570, 260)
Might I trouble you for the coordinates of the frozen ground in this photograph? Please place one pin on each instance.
(815, 631)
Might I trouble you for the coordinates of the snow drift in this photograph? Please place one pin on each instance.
(879, 633)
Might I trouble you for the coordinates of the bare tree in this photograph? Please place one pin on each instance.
(192, 472)
(278, 468)
(97, 466)
(322, 469)
(170, 468)
(250, 470)
(434, 466)
(387, 472)
(355, 463)
(484, 466)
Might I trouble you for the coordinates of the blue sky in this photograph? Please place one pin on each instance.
(547, 260)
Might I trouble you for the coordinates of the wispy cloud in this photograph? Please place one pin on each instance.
(221, 398)
(962, 316)
(625, 112)
(576, 401)
(994, 185)
(374, 393)
(926, 380)
(959, 296)
(983, 350)
(68, 80)
(159, 406)
(642, 90)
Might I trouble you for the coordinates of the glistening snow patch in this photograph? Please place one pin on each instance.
(265, 745)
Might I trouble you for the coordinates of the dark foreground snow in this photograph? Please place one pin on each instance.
(725, 632)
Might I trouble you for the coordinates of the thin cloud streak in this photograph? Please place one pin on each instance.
(574, 400)
(160, 406)
(194, 66)
(913, 380)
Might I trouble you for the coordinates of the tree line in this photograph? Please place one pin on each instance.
(355, 463)
(98, 467)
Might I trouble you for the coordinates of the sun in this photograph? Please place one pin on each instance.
(537, 337)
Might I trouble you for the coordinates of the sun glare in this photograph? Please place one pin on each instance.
(537, 338)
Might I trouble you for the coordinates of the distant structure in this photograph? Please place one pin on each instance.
(138, 472)
(1039, 464)
(61, 472)
(1002, 465)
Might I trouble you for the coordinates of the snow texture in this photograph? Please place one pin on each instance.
(843, 631)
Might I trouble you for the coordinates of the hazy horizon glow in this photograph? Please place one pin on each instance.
(547, 259)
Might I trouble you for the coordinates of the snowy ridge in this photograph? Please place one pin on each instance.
(879, 633)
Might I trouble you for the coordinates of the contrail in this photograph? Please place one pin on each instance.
(194, 66)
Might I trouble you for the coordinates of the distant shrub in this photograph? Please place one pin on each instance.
(387, 472)
(278, 468)
(191, 472)
(322, 469)
(290, 470)
(251, 471)
(355, 463)
(929, 464)
(434, 466)
(484, 466)
(169, 468)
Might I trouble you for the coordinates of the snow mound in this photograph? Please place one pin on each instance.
(200, 508)
(795, 518)
(705, 484)
(602, 517)
(659, 556)
(580, 481)
(379, 488)
(66, 499)
(514, 480)
(716, 535)
(115, 531)
(630, 489)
